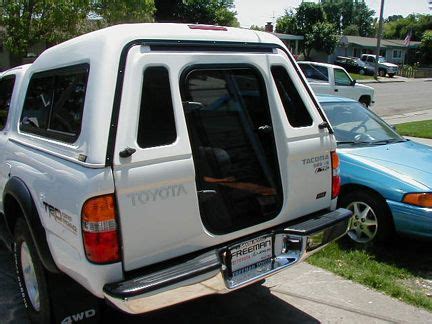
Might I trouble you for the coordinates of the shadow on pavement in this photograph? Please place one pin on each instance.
(253, 304)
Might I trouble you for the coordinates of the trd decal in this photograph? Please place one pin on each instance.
(60, 217)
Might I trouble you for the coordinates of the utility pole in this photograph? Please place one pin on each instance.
(380, 28)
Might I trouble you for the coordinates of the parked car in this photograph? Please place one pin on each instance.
(384, 67)
(386, 179)
(351, 64)
(334, 80)
(157, 163)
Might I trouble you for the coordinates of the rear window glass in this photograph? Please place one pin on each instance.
(296, 111)
(54, 103)
(156, 122)
(315, 72)
(6, 89)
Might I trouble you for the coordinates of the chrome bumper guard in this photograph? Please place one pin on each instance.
(209, 273)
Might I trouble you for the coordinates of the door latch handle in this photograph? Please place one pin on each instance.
(336, 90)
(127, 152)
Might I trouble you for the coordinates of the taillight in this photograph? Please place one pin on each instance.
(100, 230)
(208, 27)
(336, 180)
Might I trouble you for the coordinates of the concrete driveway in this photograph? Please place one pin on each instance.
(302, 294)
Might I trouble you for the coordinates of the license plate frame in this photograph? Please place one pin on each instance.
(248, 257)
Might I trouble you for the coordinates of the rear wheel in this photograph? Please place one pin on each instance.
(382, 72)
(391, 75)
(31, 275)
(371, 220)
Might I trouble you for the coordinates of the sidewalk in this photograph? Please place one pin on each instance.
(332, 299)
(409, 117)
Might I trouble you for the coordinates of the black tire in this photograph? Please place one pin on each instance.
(391, 75)
(41, 314)
(379, 210)
(382, 72)
(365, 101)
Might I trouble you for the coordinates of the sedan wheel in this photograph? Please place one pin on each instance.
(364, 223)
(371, 221)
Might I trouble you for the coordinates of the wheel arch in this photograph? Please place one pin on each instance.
(18, 201)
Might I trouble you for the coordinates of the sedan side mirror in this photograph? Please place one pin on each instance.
(353, 83)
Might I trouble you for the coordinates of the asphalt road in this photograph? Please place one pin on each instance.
(393, 98)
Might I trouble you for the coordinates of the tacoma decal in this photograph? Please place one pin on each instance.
(60, 217)
(162, 193)
(320, 163)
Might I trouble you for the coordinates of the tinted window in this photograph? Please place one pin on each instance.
(54, 103)
(6, 89)
(342, 78)
(69, 94)
(297, 114)
(233, 146)
(156, 121)
(371, 59)
(315, 72)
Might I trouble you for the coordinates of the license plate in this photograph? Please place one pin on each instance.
(249, 255)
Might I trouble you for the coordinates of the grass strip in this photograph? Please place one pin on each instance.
(362, 266)
(416, 129)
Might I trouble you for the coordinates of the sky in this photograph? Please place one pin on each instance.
(258, 12)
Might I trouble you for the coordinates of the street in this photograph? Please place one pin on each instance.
(393, 98)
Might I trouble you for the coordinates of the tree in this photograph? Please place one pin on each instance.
(322, 36)
(308, 14)
(28, 22)
(426, 47)
(287, 24)
(351, 30)
(256, 27)
(363, 17)
(126, 11)
(416, 24)
(213, 12)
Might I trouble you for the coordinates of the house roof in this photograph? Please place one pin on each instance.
(288, 36)
(372, 41)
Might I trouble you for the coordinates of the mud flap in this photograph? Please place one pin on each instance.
(71, 303)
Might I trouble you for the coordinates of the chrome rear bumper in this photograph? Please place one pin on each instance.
(208, 274)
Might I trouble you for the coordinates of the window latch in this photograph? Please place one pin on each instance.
(127, 152)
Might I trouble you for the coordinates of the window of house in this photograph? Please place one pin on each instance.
(397, 54)
(54, 103)
(6, 89)
(296, 111)
(156, 122)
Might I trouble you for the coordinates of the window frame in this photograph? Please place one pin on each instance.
(7, 77)
(47, 132)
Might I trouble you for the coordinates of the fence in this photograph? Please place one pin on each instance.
(409, 71)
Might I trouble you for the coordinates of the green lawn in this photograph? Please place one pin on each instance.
(357, 76)
(416, 129)
(400, 270)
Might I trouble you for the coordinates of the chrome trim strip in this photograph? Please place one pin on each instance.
(59, 155)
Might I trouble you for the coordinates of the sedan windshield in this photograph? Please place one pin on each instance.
(381, 59)
(353, 125)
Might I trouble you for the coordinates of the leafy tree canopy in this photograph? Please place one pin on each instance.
(213, 12)
(126, 11)
(417, 24)
(322, 36)
(426, 47)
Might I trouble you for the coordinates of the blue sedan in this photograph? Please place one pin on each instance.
(386, 179)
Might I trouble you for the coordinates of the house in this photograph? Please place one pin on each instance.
(393, 50)
(293, 42)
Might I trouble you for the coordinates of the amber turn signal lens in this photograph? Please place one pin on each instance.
(419, 199)
(99, 209)
(335, 160)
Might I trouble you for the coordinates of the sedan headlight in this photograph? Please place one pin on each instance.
(419, 199)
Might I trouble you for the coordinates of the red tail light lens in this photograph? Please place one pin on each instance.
(100, 230)
(208, 27)
(336, 180)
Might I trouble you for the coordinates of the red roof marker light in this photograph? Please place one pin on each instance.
(208, 27)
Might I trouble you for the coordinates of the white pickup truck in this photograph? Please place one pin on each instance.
(156, 163)
(334, 80)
